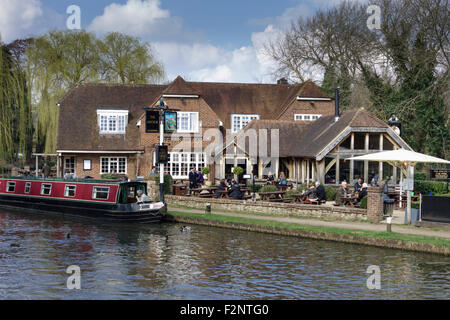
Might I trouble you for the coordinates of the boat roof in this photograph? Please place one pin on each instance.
(96, 181)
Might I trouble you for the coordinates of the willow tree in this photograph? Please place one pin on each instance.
(57, 62)
(15, 111)
(61, 60)
(125, 59)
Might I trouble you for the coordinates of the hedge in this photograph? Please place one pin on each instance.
(269, 188)
(330, 192)
(363, 204)
(420, 176)
(425, 187)
(168, 182)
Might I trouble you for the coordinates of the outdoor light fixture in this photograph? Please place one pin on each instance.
(395, 124)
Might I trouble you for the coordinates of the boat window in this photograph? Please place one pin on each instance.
(101, 193)
(27, 187)
(46, 189)
(70, 191)
(10, 186)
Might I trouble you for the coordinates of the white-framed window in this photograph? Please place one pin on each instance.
(180, 163)
(239, 121)
(70, 191)
(101, 193)
(307, 117)
(46, 189)
(187, 122)
(27, 187)
(113, 165)
(10, 186)
(112, 121)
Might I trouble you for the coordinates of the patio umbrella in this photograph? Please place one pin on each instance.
(399, 158)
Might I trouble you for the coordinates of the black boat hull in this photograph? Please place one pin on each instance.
(127, 213)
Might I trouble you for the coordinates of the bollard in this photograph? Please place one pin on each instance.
(208, 208)
(389, 224)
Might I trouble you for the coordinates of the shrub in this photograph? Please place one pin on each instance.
(257, 188)
(330, 192)
(168, 182)
(363, 203)
(415, 204)
(420, 176)
(268, 189)
(206, 170)
(425, 187)
(108, 176)
(238, 171)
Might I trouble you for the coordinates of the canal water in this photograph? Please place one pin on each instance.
(163, 262)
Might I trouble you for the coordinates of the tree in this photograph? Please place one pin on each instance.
(15, 107)
(403, 66)
(124, 59)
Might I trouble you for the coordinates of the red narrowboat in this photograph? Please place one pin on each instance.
(106, 199)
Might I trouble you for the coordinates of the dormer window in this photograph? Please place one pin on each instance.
(239, 121)
(112, 121)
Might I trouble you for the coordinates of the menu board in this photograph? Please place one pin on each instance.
(440, 174)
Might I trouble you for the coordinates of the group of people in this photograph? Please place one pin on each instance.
(234, 189)
(281, 182)
(315, 192)
(195, 179)
(359, 192)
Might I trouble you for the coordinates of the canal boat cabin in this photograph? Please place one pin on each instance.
(100, 199)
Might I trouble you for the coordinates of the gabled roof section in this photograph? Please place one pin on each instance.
(364, 118)
(289, 134)
(244, 98)
(306, 90)
(180, 87)
(78, 127)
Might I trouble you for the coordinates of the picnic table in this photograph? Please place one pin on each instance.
(275, 196)
(349, 201)
(198, 192)
(224, 193)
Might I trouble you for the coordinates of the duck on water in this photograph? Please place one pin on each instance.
(112, 200)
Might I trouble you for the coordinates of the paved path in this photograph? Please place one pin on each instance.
(336, 224)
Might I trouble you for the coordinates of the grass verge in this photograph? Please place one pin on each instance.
(407, 238)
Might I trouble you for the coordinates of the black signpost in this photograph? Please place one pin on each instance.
(155, 121)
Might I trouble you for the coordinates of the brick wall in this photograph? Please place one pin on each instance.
(299, 210)
(207, 119)
(95, 164)
(375, 204)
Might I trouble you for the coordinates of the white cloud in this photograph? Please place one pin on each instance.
(142, 18)
(24, 18)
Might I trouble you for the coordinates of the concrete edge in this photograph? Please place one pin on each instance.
(384, 243)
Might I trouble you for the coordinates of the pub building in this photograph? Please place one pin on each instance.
(106, 129)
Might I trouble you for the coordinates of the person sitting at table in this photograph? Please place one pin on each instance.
(358, 185)
(235, 190)
(193, 179)
(363, 192)
(320, 192)
(283, 181)
(342, 192)
(270, 178)
(222, 187)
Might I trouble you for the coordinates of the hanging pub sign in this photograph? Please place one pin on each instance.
(151, 121)
(440, 174)
(162, 154)
(170, 122)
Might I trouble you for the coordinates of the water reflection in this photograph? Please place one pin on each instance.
(161, 262)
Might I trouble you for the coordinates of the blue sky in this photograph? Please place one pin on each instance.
(202, 40)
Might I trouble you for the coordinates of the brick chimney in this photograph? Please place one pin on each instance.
(282, 81)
